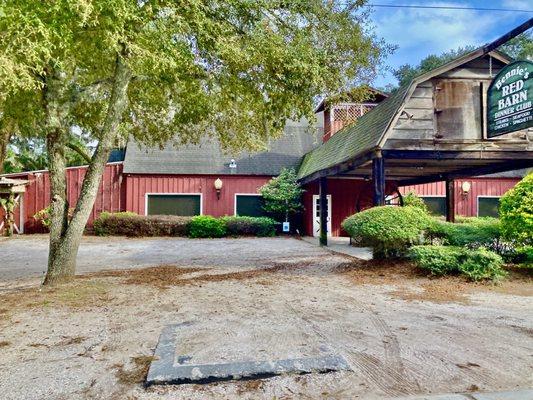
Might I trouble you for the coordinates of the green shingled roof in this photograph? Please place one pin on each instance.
(355, 139)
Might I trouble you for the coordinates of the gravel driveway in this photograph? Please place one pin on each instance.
(25, 256)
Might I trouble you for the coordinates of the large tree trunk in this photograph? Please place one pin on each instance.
(65, 236)
(5, 136)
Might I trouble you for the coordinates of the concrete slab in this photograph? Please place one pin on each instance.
(342, 246)
(171, 368)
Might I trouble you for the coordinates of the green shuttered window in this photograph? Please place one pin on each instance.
(488, 206)
(436, 205)
(174, 204)
(249, 205)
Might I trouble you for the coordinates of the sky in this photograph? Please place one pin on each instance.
(421, 32)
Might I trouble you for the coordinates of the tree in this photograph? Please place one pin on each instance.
(170, 70)
(405, 73)
(519, 47)
(282, 195)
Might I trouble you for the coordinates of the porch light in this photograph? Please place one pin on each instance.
(466, 187)
(218, 187)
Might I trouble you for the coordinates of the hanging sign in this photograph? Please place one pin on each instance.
(510, 99)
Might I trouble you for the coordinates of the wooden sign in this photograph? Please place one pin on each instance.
(510, 99)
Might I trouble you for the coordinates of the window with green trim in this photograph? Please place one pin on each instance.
(436, 205)
(186, 205)
(488, 207)
(249, 205)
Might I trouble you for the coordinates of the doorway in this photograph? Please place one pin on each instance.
(316, 215)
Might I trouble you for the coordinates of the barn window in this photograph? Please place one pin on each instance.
(488, 206)
(247, 205)
(436, 204)
(174, 204)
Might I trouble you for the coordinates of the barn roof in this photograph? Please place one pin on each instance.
(369, 132)
(208, 157)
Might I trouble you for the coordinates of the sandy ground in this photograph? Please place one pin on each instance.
(402, 333)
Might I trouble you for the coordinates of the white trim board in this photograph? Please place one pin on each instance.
(173, 194)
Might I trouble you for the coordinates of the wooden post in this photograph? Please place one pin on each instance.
(378, 180)
(450, 200)
(323, 205)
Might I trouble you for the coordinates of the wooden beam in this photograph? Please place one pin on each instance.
(450, 200)
(486, 154)
(378, 180)
(323, 205)
(339, 168)
(469, 172)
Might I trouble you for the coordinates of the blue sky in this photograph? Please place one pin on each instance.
(420, 32)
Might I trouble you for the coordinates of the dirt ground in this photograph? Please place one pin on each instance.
(401, 332)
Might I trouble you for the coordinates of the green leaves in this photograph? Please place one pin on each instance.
(516, 212)
(282, 194)
(234, 69)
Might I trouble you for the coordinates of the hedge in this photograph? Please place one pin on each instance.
(133, 225)
(479, 264)
(389, 230)
(206, 226)
(516, 213)
(250, 226)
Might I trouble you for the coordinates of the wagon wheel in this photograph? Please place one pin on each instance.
(394, 199)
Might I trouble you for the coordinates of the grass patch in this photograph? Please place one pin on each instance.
(75, 294)
(137, 375)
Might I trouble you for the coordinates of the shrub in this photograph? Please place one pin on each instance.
(439, 260)
(250, 226)
(390, 230)
(479, 264)
(516, 212)
(412, 200)
(472, 232)
(133, 225)
(482, 264)
(206, 226)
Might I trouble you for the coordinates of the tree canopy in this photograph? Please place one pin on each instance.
(155, 71)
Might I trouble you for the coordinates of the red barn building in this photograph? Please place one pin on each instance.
(351, 157)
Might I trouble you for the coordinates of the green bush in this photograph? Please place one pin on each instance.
(516, 213)
(439, 260)
(250, 226)
(482, 264)
(412, 200)
(389, 230)
(206, 226)
(479, 264)
(472, 232)
(133, 225)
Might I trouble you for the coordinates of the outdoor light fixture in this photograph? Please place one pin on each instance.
(218, 187)
(466, 187)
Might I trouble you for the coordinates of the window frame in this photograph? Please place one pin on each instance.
(146, 195)
(485, 197)
(435, 196)
(242, 194)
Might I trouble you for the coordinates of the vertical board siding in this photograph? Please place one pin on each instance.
(37, 195)
(346, 195)
(138, 186)
(465, 203)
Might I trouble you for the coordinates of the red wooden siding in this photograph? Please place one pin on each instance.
(346, 195)
(110, 194)
(465, 204)
(137, 186)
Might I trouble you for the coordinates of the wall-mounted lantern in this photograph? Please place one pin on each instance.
(466, 186)
(218, 187)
